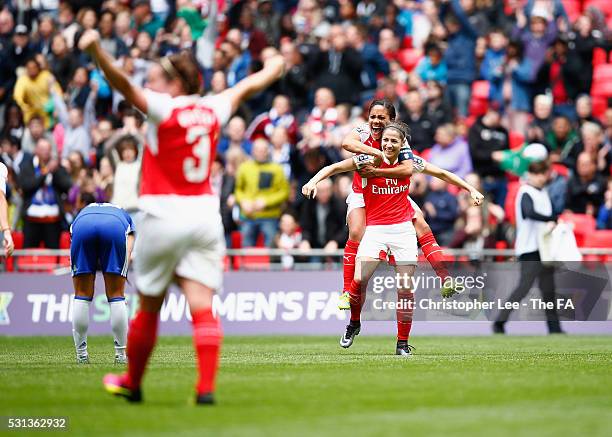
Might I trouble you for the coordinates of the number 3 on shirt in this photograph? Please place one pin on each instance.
(199, 137)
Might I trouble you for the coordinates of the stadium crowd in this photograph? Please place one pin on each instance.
(477, 81)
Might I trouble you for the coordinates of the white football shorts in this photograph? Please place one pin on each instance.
(190, 248)
(398, 240)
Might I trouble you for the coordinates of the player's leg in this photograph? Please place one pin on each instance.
(207, 336)
(83, 260)
(356, 223)
(114, 259)
(83, 295)
(405, 309)
(159, 246)
(403, 246)
(115, 286)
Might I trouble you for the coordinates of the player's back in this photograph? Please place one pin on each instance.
(181, 146)
(386, 200)
(105, 211)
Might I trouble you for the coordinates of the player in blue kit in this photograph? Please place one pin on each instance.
(102, 240)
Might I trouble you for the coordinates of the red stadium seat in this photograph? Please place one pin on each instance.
(252, 262)
(36, 263)
(64, 244)
(583, 225)
(600, 104)
(604, 6)
(561, 169)
(513, 188)
(599, 239)
(573, 8)
(409, 58)
(602, 81)
(236, 239)
(599, 56)
(517, 139)
(18, 241)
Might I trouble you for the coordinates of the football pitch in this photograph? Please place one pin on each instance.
(544, 386)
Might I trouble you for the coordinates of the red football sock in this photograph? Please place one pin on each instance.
(350, 252)
(207, 336)
(434, 254)
(404, 316)
(356, 300)
(142, 336)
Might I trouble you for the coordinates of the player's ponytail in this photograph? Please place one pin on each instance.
(400, 127)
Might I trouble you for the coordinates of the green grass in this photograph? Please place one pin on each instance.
(544, 386)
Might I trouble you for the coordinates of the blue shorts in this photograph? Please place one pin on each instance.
(99, 243)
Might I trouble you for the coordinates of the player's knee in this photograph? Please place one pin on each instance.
(151, 304)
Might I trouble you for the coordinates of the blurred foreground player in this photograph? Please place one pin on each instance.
(181, 234)
(7, 239)
(102, 239)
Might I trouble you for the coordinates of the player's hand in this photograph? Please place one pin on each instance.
(367, 171)
(8, 243)
(88, 40)
(309, 190)
(477, 197)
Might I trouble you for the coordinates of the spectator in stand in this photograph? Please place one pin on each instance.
(337, 66)
(477, 226)
(86, 183)
(267, 20)
(294, 83)
(432, 66)
(441, 211)
(451, 152)
(77, 122)
(584, 110)
(278, 116)
(43, 39)
(261, 190)
(555, 75)
(34, 131)
(591, 142)
(542, 120)
(604, 217)
(144, 20)
(125, 151)
(43, 183)
(108, 38)
(20, 49)
(561, 139)
(374, 63)
(422, 127)
(388, 44)
(585, 187)
(288, 237)
(459, 56)
(32, 92)
(229, 209)
(438, 110)
(62, 61)
(492, 66)
(13, 121)
(485, 137)
(234, 137)
(323, 220)
(536, 39)
(323, 118)
(281, 149)
(239, 59)
(582, 40)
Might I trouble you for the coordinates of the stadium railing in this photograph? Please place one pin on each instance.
(56, 260)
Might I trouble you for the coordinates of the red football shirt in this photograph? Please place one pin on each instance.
(386, 200)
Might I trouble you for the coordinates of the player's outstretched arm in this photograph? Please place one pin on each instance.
(310, 189)
(351, 143)
(451, 178)
(5, 229)
(273, 69)
(90, 42)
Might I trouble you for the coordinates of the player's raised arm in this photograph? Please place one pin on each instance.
(451, 178)
(310, 189)
(90, 43)
(273, 69)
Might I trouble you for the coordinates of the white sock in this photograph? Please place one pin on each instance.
(80, 324)
(119, 324)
